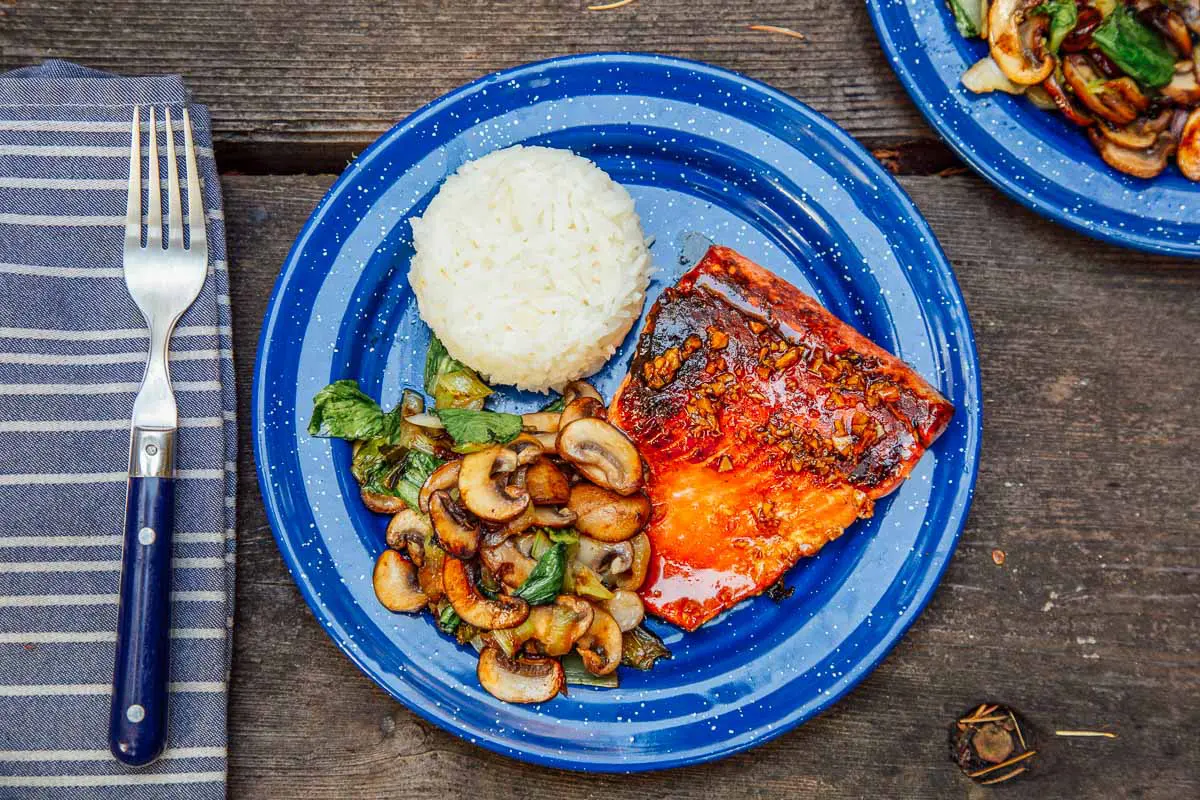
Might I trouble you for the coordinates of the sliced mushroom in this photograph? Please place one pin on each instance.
(382, 503)
(1017, 41)
(1129, 136)
(505, 463)
(519, 524)
(395, 581)
(548, 441)
(984, 76)
(526, 448)
(1189, 11)
(606, 515)
(1139, 134)
(1126, 94)
(1178, 121)
(546, 483)
(1080, 37)
(517, 478)
(407, 532)
(1183, 88)
(1066, 103)
(554, 629)
(456, 532)
(1108, 68)
(506, 562)
(1119, 101)
(633, 578)
(540, 422)
(600, 647)
(1145, 163)
(1171, 26)
(482, 483)
(580, 409)
(626, 608)
(443, 478)
(1188, 156)
(602, 453)
(473, 607)
(525, 543)
(553, 517)
(519, 680)
(576, 389)
(605, 558)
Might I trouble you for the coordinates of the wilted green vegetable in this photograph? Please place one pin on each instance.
(555, 405)
(396, 458)
(576, 674)
(541, 543)
(413, 437)
(450, 623)
(391, 457)
(451, 383)
(473, 430)
(448, 620)
(566, 536)
(395, 472)
(546, 580)
(342, 411)
(1064, 14)
(371, 449)
(969, 16)
(583, 581)
(418, 466)
(411, 403)
(375, 458)
(1136, 49)
(641, 648)
(466, 633)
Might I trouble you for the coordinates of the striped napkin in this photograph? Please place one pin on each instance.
(72, 350)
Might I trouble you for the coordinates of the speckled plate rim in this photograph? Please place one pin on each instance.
(941, 551)
(981, 160)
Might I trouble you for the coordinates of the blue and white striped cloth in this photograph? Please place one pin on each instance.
(72, 349)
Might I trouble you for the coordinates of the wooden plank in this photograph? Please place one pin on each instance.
(328, 78)
(1087, 483)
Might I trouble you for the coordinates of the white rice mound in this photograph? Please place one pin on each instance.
(530, 266)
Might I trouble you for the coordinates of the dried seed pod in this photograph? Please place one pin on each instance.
(992, 743)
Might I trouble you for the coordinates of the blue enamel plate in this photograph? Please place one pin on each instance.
(708, 156)
(1038, 158)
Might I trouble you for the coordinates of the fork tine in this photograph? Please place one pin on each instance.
(133, 207)
(174, 212)
(197, 230)
(154, 213)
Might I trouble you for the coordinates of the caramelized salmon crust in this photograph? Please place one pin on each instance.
(768, 426)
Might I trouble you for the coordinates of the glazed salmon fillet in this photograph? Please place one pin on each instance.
(768, 426)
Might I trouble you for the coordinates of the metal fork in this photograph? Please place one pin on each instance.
(163, 281)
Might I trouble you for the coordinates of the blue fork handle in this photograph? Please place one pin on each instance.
(137, 731)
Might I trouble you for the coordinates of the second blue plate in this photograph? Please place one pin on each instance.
(707, 155)
(1038, 158)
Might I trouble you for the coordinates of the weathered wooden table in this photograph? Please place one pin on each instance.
(1091, 456)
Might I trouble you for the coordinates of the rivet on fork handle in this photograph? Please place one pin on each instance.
(152, 453)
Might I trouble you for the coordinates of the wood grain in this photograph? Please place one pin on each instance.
(1091, 451)
(326, 79)
(1088, 483)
